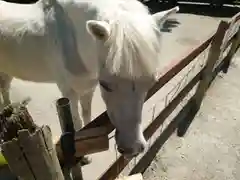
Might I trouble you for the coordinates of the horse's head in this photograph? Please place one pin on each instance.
(128, 46)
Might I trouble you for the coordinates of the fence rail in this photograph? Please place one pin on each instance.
(218, 44)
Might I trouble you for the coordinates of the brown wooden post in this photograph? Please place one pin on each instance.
(213, 56)
(27, 148)
(234, 47)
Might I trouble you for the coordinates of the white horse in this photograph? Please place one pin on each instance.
(78, 43)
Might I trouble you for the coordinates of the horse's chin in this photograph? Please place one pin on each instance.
(130, 156)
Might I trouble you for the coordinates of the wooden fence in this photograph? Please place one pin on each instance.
(226, 36)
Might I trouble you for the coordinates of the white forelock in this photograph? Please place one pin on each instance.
(133, 42)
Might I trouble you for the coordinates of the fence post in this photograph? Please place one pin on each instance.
(28, 149)
(234, 47)
(213, 56)
(68, 140)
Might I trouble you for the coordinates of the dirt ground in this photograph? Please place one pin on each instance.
(209, 148)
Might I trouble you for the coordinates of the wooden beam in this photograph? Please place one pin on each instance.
(87, 141)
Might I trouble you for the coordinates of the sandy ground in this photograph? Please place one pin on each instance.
(183, 155)
(211, 149)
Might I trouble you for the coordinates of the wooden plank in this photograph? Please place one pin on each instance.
(88, 141)
(232, 31)
(235, 41)
(47, 138)
(235, 44)
(16, 160)
(91, 133)
(24, 146)
(32, 156)
(95, 145)
(37, 154)
(132, 177)
(227, 43)
(87, 146)
(235, 18)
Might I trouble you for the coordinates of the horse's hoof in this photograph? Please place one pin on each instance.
(85, 160)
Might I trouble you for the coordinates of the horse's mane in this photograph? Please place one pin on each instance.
(133, 41)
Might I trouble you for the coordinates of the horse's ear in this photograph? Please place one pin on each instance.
(162, 16)
(98, 29)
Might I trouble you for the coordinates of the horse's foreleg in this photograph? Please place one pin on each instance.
(5, 83)
(86, 102)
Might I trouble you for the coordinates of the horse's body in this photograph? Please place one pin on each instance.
(76, 43)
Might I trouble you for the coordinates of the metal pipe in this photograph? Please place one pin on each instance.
(67, 139)
(65, 115)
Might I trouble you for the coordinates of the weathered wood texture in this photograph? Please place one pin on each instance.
(213, 56)
(28, 149)
(88, 141)
(33, 156)
(233, 33)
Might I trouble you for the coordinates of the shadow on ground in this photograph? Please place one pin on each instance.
(197, 9)
(169, 25)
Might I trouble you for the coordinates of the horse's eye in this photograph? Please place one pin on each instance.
(105, 86)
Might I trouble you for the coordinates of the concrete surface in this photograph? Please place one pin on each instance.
(190, 31)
